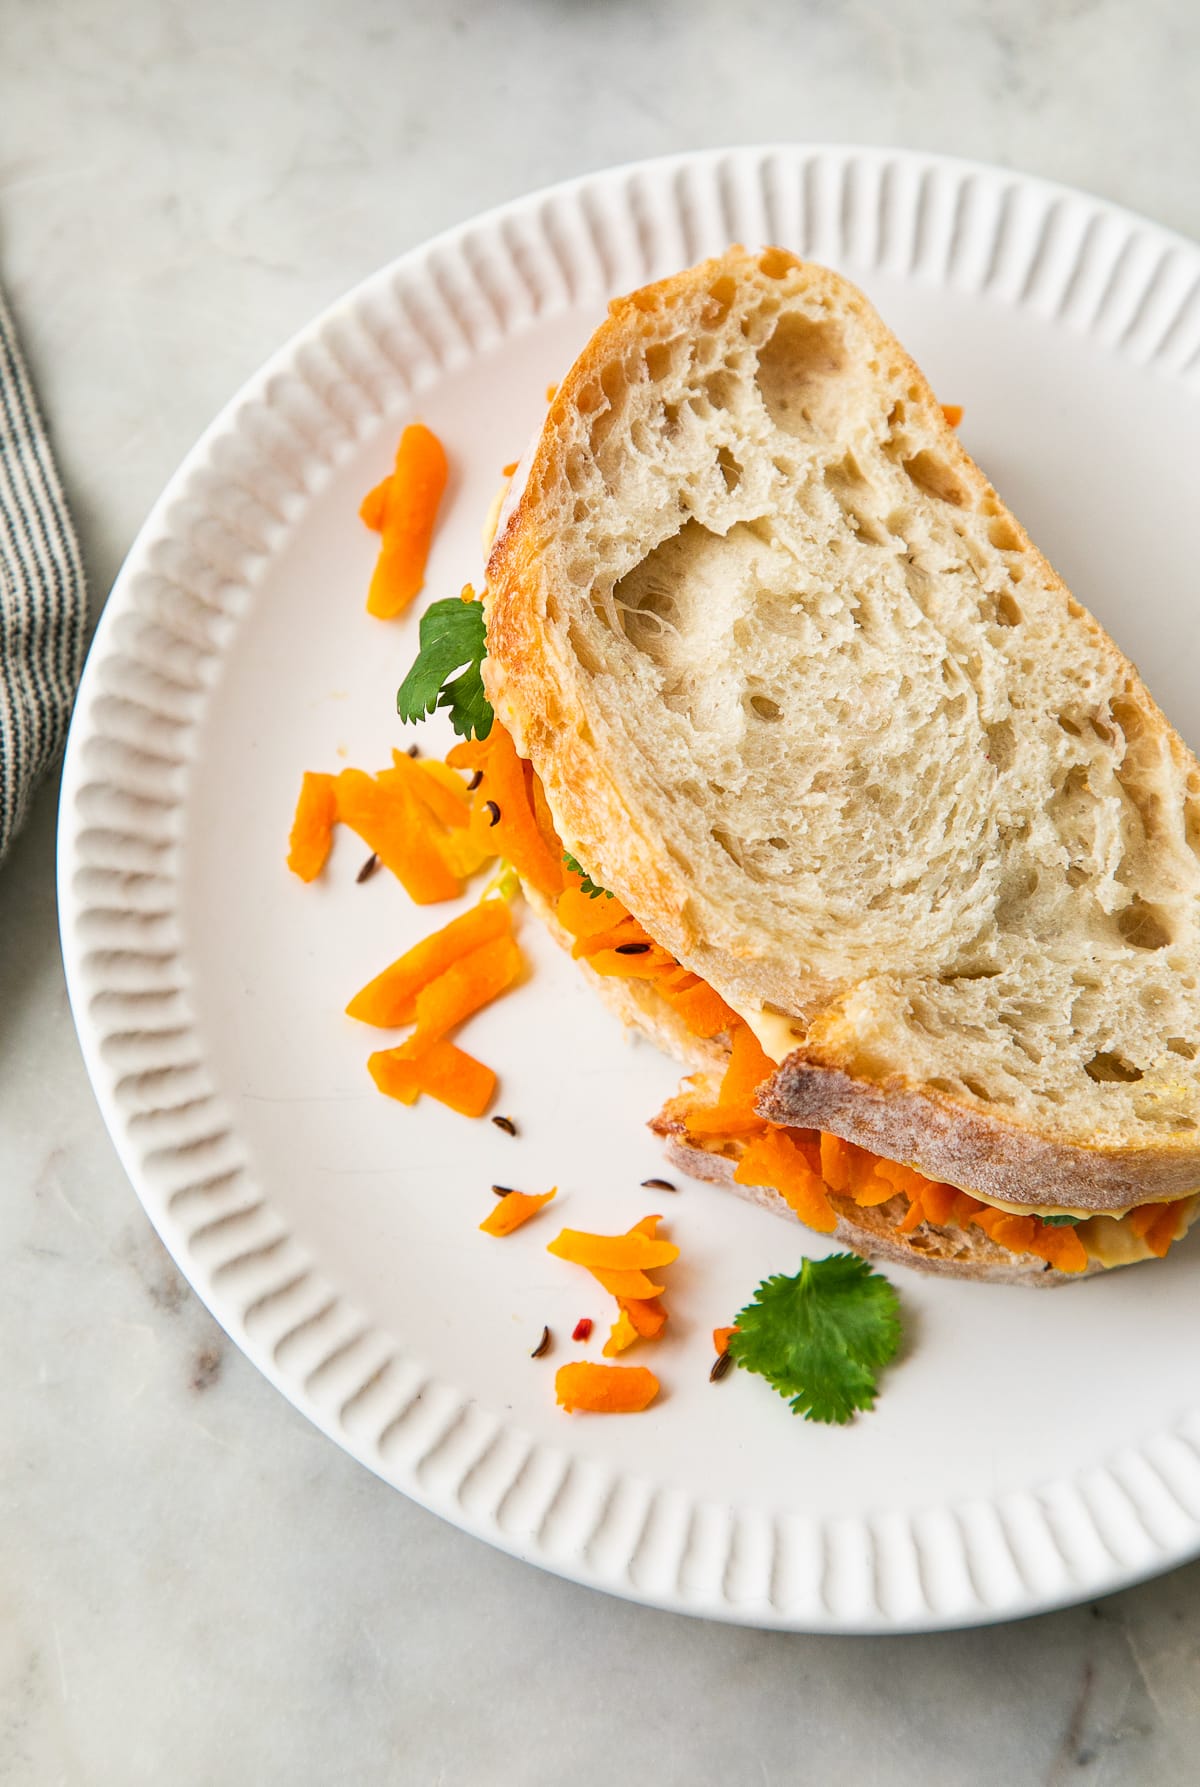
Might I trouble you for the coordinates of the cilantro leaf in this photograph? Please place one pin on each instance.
(591, 888)
(818, 1338)
(1061, 1222)
(453, 638)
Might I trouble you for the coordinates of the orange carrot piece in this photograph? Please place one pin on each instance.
(584, 916)
(446, 1073)
(621, 930)
(647, 1315)
(871, 1188)
(391, 998)
(835, 1162)
(633, 1252)
(374, 505)
(450, 806)
(463, 988)
(517, 834)
(312, 828)
(734, 1112)
(953, 413)
(939, 1201)
(622, 1334)
(914, 1218)
(626, 1287)
(701, 1007)
(407, 513)
(774, 1159)
(721, 1337)
(647, 966)
(1060, 1248)
(515, 1208)
(604, 1389)
(387, 821)
(903, 1178)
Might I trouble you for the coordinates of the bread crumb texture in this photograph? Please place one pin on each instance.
(805, 696)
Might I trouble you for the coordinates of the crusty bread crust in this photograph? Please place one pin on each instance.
(537, 683)
(951, 1252)
(971, 1149)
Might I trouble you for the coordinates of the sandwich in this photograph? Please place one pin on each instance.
(839, 794)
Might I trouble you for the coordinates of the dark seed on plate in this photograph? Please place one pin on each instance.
(473, 784)
(502, 1191)
(543, 1345)
(720, 1366)
(506, 1124)
(414, 750)
(368, 868)
(632, 949)
(657, 1185)
(489, 806)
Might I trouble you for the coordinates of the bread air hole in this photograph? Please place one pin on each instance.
(765, 708)
(729, 469)
(795, 369)
(1003, 535)
(1109, 1069)
(930, 473)
(1143, 926)
(1179, 1045)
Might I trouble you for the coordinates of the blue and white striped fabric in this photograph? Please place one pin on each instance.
(43, 597)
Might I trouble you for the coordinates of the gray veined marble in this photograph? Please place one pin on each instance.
(195, 1586)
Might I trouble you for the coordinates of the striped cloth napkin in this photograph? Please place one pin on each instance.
(43, 597)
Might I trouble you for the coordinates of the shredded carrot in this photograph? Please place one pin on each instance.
(312, 828)
(584, 916)
(391, 998)
(515, 1208)
(734, 1112)
(647, 1315)
(387, 820)
(1060, 1248)
(438, 788)
(953, 413)
(604, 1389)
(621, 1335)
(469, 983)
(721, 1337)
(403, 510)
(446, 1073)
(633, 1252)
(626, 1287)
(506, 471)
(508, 822)
(702, 1008)
(645, 966)
(774, 1159)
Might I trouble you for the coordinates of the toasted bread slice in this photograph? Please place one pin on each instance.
(801, 691)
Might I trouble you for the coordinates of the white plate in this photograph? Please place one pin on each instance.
(1028, 1450)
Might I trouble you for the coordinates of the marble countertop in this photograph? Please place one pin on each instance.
(197, 1586)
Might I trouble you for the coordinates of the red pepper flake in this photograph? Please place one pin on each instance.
(582, 1329)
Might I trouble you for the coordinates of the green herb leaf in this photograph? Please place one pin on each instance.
(453, 638)
(820, 1337)
(588, 886)
(1061, 1222)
